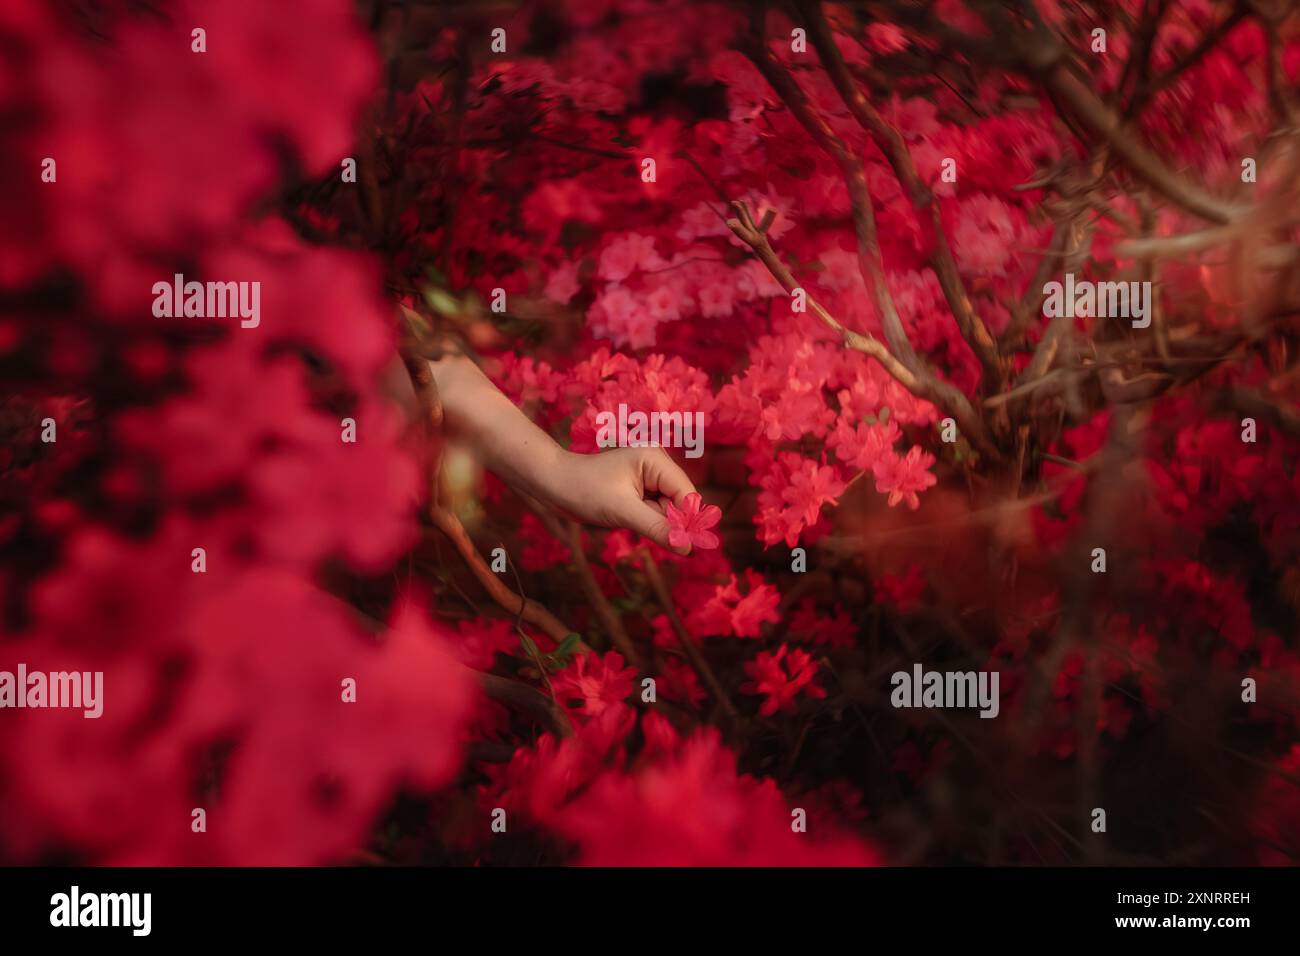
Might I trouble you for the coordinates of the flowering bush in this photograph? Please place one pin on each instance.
(828, 232)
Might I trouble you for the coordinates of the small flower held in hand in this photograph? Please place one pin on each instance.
(690, 524)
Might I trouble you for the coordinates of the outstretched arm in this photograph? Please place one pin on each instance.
(618, 488)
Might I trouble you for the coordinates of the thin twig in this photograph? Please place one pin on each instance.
(532, 612)
(924, 385)
(692, 652)
(891, 143)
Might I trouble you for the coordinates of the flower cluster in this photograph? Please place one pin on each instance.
(226, 521)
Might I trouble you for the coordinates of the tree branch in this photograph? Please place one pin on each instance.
(890, 142)
(923, 384)
(1102, 122)
(864, 218)
(568, 531)
(692, 652)
(526, 608)
(1145, 91)
(1259, 404)
(521, 697)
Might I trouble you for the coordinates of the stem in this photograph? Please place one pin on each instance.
(527, 609)
(693, 654)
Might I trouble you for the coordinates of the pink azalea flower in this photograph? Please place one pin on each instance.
(691, 523)
(902, 477)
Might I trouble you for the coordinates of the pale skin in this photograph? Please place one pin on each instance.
(616, 488)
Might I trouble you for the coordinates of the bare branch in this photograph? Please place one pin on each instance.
(1255, 403)
(1032, 301)
(864, 217)
(521, 697)
(1137, 67)
(923, 384)
(692, 652)
(1102, 122)
(1145, 91)
(568, 531)
(890, 142)
(526, 608)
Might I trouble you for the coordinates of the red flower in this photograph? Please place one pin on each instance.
(689, 807)
(593, 684)
(781, 685)
(812, 486)
(902, 590)
(691, 523)
(902, 477)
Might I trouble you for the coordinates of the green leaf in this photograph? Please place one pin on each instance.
(441, 302)
(416, 322)
(884, 414)
(568, 645)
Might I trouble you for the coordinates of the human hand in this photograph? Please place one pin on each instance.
(619, 488)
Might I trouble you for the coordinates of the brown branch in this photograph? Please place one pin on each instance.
(1045, 353)
(923, 384)
(1038, 51)
(1070, 91)
(609, 618)
(520, 696)
(1150, 275)
(570, 533)
(692, 652)
(1032, 301)
(1259, 404)
(864, 218)
(1075, 236)
(890, 142)
(526, 608)
(1208, 42)
(1280, 95)
(1169, 247)
(1054, 378)
(1062, 325)
(1137, 67)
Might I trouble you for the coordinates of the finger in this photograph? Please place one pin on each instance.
(649, 521)
(661, 475)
